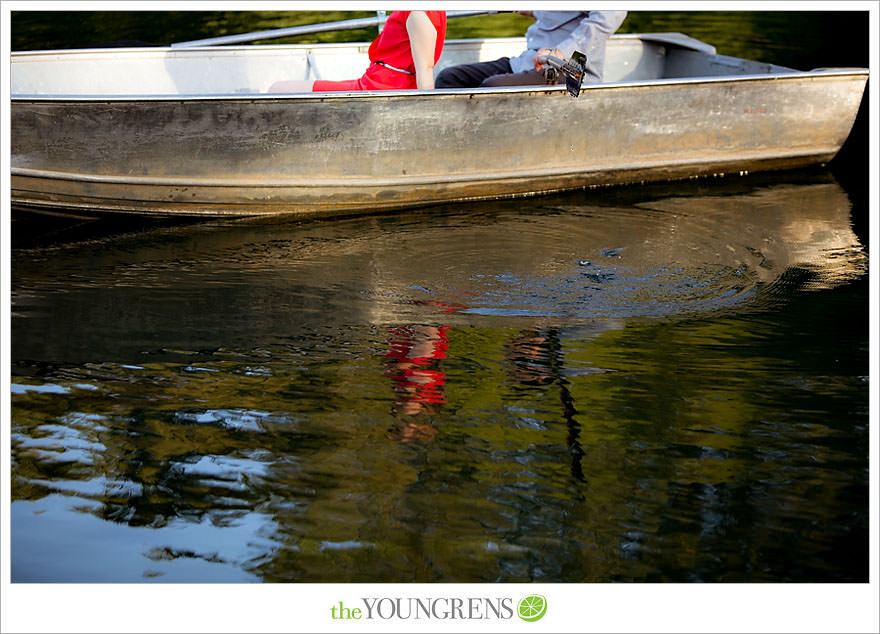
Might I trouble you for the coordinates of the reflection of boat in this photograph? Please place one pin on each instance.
(192, 131)
(768, 232)
(572, 259)
(676, 255)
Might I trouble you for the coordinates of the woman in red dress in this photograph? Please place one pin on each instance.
(402, 57)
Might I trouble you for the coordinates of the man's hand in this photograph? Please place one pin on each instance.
(541, 57)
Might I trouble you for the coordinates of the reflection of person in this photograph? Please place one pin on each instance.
(535, 361)
(402, 57)
(413, 365)
(557, 33)
(531, 359)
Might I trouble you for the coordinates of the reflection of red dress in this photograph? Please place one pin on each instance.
(391, 47)
(420, 383)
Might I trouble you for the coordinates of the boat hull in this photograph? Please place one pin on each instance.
(343, 153)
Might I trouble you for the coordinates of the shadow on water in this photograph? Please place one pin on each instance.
(34, 228)
(633, 384)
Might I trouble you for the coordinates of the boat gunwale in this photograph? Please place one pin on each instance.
(385, 94)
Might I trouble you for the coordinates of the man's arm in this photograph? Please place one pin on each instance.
(592, 32)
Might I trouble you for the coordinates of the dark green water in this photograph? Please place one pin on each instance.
(640, 384)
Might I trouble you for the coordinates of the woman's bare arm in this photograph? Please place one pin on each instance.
(422, 41)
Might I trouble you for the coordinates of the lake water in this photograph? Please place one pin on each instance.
(635, 384)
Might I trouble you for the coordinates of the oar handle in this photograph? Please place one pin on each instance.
(573, 70)
(358, 23)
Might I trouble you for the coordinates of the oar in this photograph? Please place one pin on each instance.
(359, 23)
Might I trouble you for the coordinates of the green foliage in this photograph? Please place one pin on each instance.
(761, 35)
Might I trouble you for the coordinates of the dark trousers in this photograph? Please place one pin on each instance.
(487, 74)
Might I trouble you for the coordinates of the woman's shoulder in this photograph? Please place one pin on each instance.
(437, 18)
(403, 15)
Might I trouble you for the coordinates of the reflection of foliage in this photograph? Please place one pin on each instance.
(729, 446)
(688, 469)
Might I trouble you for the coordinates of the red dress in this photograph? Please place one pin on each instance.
(392, 48)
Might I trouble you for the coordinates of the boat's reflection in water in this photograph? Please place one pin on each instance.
(590, 387)
(670, 257)
(564, 259)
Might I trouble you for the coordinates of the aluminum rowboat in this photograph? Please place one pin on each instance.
(193, 131)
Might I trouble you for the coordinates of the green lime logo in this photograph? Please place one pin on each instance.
(532, 607)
